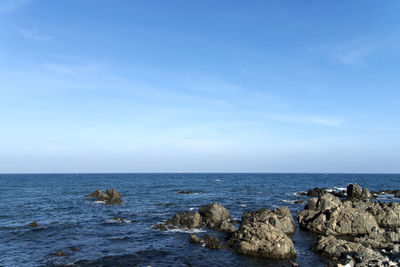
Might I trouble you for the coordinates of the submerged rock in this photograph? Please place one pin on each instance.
(281, 218)
(110, 197)
(212, 242)
(60, 253)
(259, 238)
(73, 248)
(33, 224)
(185, 192)
(160, 226)
(194, 239)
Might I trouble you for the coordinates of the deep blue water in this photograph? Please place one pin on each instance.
(66, 218)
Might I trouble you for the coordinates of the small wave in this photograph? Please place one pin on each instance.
(118, 221)
(187, 231)
(191, 208)
(288, 201)
(340, 188)
(99, 202)
(242, 205)
(217, 180)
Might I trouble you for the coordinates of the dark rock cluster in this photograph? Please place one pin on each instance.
(109, 197)
(355, 231)
(261, 233)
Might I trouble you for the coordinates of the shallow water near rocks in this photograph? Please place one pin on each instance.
(67, 219)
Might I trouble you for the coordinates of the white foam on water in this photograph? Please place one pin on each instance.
(288, 201)
(217, 180)
(191, 208)
(191, 231)
(340, 188)
(242, 205)
(99, 202)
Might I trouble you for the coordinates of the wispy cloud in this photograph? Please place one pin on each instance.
(33, 35)
(359, 51)
(7, 6)
(307, 119)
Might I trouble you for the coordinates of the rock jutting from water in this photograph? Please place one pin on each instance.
(372, 228)
(109, 197)
(262, 233)
(213, 216)
(258, 237)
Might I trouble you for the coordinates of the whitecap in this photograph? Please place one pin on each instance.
(242, 205)
(187, 231)
(288, 201)
(340, 188)
(99, 202)
(217, 180)
(191, 208)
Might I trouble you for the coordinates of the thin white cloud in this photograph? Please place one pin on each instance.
(308, 119)
(7, 6)
(33, 35)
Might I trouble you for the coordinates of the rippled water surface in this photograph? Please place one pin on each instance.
(66, 218)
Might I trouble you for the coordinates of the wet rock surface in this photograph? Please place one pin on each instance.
(109, 197)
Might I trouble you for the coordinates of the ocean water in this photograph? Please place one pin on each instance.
(66, 218)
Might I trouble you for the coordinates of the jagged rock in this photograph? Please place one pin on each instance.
(355, 192)
(281, 218)
(316, 192)
(338, 249)
(258, 238)
(33, 224)
(212, 242)
(194, 239)
(110, 197)
(214, 214)
(227, 227)
(380, 239)
(387, 215)
(186, 220)
(300, 202)
(328, 215)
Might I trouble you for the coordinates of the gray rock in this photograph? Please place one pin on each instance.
(194, 239)
(337, 249)
(214, 214)
(186, 220)
(355, 192)
(227, 227)
(110, 197)
(281, 218)
(258, 238)
(331, 216)
(212, 242)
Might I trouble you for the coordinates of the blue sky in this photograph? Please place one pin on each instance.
(199, 86)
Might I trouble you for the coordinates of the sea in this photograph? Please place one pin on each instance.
(66, 218)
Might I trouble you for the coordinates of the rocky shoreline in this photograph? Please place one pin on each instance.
(353, 228)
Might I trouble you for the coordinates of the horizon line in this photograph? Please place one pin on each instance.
(11, 173)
